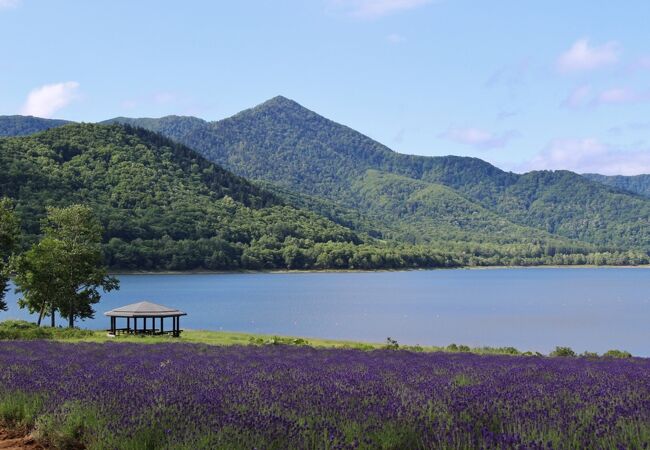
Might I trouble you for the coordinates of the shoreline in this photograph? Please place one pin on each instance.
(244, 338)
(317, 271)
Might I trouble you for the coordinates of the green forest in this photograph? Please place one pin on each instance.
(283, 143)
(306, 193)
(639, 184)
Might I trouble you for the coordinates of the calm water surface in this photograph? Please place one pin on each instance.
(531, 309)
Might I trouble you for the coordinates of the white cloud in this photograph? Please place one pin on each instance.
(372, 9)
(478, 138)
(584, 57)
(589, 155)
(9, 4)
(395, 38)
(46, 100)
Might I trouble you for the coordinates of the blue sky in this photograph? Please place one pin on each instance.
(522, 84)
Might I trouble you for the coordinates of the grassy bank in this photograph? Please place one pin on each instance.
(22, 330)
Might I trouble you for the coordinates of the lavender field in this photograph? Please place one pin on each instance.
(133, 396)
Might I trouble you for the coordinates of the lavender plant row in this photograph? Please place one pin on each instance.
(195, 396)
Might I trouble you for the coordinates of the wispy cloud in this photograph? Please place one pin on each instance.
(642, 63)
(509, 75)
(583, 57)
(46, 100)
(9, 4)
(507, 114)
(589, 155)
(578, 97)
(620, 95)
(479, 138)
(372, 9)
(164, 97)
(630, 126)
(584, 97)
(395, 38)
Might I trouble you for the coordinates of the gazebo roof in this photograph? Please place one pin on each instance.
(144, 309)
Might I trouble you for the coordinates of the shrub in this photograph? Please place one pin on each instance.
(391, 344)
(414, 348)
(563, 351)
(23, 330)
(617, 354)
(278, 340)
(509, 350)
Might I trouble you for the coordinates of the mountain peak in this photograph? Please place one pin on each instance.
(280, 100)
(282, 103)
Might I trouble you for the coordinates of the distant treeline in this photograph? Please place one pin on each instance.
(295, 254)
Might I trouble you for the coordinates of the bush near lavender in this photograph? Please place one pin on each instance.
(129, 396)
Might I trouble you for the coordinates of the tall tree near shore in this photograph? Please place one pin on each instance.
(39, 275)
(64, 271)
(9, 231)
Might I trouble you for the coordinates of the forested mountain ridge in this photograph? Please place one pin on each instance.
(638, 184)
(162, 205)
(284, 143)
(26, 125)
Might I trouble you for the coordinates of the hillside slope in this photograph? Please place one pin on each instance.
(284, 143)
(163, 206)
(26, 125)
(638, 184)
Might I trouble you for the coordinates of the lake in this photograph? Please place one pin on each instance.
(536, 309)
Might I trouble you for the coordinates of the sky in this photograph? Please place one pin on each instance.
(524, 85)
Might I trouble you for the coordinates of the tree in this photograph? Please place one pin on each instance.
(9, 231)
(64, 271)
(39, 276)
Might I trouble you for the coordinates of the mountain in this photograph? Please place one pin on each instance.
(162, 205)
(283, 143)
(26, 125)
(638, 184)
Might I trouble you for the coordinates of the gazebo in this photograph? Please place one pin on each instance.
(145, 310)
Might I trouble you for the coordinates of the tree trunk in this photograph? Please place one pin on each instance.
(71, 320)
(41, 314)
(53, 318)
